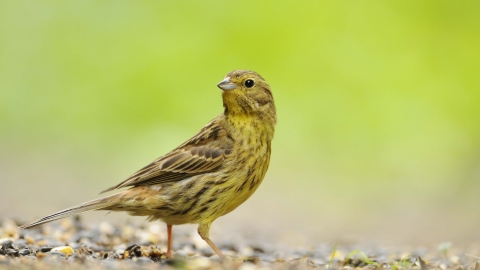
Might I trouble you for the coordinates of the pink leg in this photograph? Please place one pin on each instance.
(169, 247)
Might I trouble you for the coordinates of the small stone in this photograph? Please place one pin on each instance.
(42, 242)
(199, 242)
(206, 251)
(10, 228)
(188, 249)
(155, 228)
(246, 251)
(6, 243)
(25, 252)
(74, 245)
(146, 238)
(97, 248)
(258, 249)
(29, 239)
(66, 223)
(53, 256)
(66, 250)
(199, 262)
(55, 253)
(132, 247)
(265, 257)
(180, 254)
(45, 249)
(454, 259)
(127, 233)
(248, 266)
(11, 252)
(120, 252)
(20, 243)
(75, 258)
(106, 228)
(156, 252)
(142, 260)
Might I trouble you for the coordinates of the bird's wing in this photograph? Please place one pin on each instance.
(203, 153)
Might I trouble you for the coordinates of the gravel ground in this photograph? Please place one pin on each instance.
(75, 245)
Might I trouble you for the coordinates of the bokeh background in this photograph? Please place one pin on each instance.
(378, 136)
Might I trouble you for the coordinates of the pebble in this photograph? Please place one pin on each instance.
(25, 252)
(106, 228)
(143, 260)
(246, 251)
(199, 262)
(45, 249)
(52, 254)
(248, 266)
(180, 254)
(29, 240)
(120, 252)
(11, 252)
(66, 250)
(6, 243)
(20, 243)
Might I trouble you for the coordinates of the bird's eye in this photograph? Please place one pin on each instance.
(249, 83)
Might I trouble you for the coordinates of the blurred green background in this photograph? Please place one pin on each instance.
(378, 135)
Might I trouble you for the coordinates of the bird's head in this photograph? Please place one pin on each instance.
(246, 93)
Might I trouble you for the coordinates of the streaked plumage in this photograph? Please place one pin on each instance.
(209, 175)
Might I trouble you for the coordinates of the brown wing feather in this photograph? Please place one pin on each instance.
(204, 153)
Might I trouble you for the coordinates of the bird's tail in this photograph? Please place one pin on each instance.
(98, 204)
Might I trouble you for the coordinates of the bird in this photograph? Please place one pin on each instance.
(207, 176)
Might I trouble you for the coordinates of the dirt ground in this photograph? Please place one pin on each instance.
(76, 245)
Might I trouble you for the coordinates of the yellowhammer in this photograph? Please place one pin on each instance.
(209, 175)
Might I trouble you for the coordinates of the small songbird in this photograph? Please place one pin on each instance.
(209, 175)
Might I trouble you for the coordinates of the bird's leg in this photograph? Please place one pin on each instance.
(203, 231)
(169, 246)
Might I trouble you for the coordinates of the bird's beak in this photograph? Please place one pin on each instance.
(226, 84)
